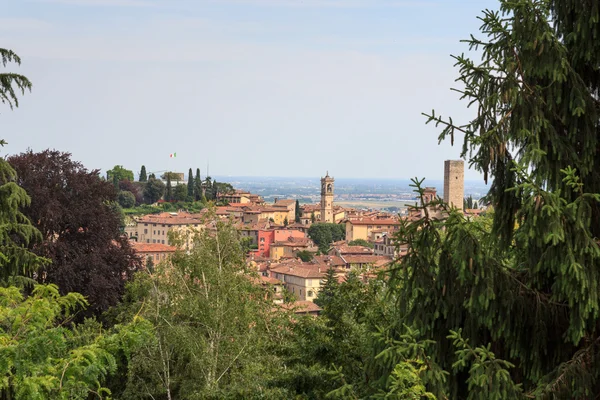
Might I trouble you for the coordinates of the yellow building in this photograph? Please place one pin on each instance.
(361, 228)
(302, 280)
(155, 228)
(290, 248)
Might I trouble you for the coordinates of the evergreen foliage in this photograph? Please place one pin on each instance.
(11, 83)
(298, 212)
(169, 189)
(154, 190)
(17, 262)
(525, 286)
(190, 185)
(143, 176)
(198, 186)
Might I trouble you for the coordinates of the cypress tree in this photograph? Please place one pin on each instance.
(143, 177)
(298, 212)
(512, 302)
(190, 185)
(197, 185)
(215, 190)
(169, 191)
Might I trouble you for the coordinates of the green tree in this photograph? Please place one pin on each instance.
(323, 234)
(143, 176)
(305, 255)
(119, 174)
(154, 190)
(190, 185)
(7, 80)
(298, 212)
(213, 326)
(527, 287)
(180, 193)
(208, 188)
(169, 189)
(17, 262)
(360, 242)
(198, 186)
(42, 358)
(126, 199)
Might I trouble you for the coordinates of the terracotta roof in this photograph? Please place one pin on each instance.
(371, 259)
(344, 249)
(182, 218)
(293, 241)
(374, 221)
(152, 248)
(301, 307)
(272, 281)
(333, 261)
(284, 202)
(304, 271)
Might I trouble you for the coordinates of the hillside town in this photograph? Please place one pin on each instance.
(277, 234)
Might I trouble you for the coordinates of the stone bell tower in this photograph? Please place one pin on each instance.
(327, 198)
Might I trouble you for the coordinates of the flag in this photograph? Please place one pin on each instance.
(172, 155)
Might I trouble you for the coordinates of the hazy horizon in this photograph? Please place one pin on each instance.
(295, 87)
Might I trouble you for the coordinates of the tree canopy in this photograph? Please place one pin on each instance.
(118, 173)
(323, 234)
(513, 305)
(71, 207)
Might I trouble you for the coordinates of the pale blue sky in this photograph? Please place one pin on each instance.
(256, 87)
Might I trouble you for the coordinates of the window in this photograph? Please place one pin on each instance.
(370, 227)
(146, 231)
(163, 242)
(153, 240)
(310, 293)
(300, 292)
(145, 224)
(147, 240)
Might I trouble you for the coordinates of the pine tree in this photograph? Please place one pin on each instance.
(190, 185)
(198, 186)
(513, 302)
(17, 263)
(328, 291)
(143, 177)
(7, 80)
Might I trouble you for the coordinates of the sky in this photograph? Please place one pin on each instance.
(250, 87)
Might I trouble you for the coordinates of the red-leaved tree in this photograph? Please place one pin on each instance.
(71, 207)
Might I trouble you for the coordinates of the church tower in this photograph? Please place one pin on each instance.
(327, 199)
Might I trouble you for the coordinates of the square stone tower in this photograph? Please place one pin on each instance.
(454, 183)
(327, 198)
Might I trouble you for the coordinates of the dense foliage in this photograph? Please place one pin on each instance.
(323, 234)
(71, 207)
(527, 287)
